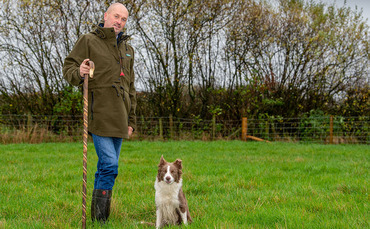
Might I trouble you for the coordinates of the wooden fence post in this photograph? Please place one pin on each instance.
(267, 129)
(331, 130)
(160, 129)
(171, 126)
(29, 124)
(273, 130)
(244, 129)
(213, 127)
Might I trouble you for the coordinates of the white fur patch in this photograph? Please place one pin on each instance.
(168, 175)
(167, 201)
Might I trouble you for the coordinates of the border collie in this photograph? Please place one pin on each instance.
(172, 207)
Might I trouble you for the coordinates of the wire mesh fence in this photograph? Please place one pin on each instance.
(317, 129)
(40, 128)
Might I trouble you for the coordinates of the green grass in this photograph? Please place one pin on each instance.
(228, 184)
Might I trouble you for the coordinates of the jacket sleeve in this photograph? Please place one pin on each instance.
(71, 66)
(132, 93)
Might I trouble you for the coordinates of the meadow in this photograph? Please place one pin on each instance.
(228, 184)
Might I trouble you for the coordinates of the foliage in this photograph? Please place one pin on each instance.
(282, 58)
(314, 125)
(70, 102)
(356, 101)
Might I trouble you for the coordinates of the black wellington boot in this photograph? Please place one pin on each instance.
(100, 205)
(93, 206)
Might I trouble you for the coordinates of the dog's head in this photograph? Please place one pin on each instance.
(169, 172)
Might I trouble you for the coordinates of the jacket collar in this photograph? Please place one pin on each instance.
(105, 33)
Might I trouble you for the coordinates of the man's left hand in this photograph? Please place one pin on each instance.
(130, 131)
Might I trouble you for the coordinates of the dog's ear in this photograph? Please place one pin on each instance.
(161, 162)
(178, 163)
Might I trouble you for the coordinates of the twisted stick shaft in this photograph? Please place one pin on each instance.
(85, 133)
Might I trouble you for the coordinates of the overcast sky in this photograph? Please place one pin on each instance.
(364, 4)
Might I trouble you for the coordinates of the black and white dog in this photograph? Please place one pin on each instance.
(171, 204)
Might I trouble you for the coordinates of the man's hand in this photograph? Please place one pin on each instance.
(84, 67)
(130, 131)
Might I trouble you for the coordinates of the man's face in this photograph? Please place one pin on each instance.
(116, 17)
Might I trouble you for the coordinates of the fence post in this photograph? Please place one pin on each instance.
(273, 129)
(331, 130)
(244, 129)
(29, 123)
(160, 129)
(213, 127)
(171, 126)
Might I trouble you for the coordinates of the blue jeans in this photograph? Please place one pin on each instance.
(107, 149)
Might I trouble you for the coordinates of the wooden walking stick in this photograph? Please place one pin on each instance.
(85, 134)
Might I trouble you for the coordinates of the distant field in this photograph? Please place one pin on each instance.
(228, 184)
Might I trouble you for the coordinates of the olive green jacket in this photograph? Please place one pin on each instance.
(112, 95)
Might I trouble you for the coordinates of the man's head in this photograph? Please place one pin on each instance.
(116, 17)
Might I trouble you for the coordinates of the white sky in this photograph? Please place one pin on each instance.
(364, 4)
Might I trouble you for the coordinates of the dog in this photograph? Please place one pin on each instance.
(171, 204)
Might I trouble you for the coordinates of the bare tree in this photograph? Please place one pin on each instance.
(35, 38)
(179, 47)
(302, 55)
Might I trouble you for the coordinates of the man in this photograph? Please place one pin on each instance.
(112, 97)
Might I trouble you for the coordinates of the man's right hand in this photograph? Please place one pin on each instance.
(84, 67)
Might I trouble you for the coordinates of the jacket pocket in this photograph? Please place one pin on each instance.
(127, 101)
(120, 90)
(123, 92)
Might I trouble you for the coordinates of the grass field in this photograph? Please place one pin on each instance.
(228, 184)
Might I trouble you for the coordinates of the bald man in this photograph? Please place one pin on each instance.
(112, 97)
